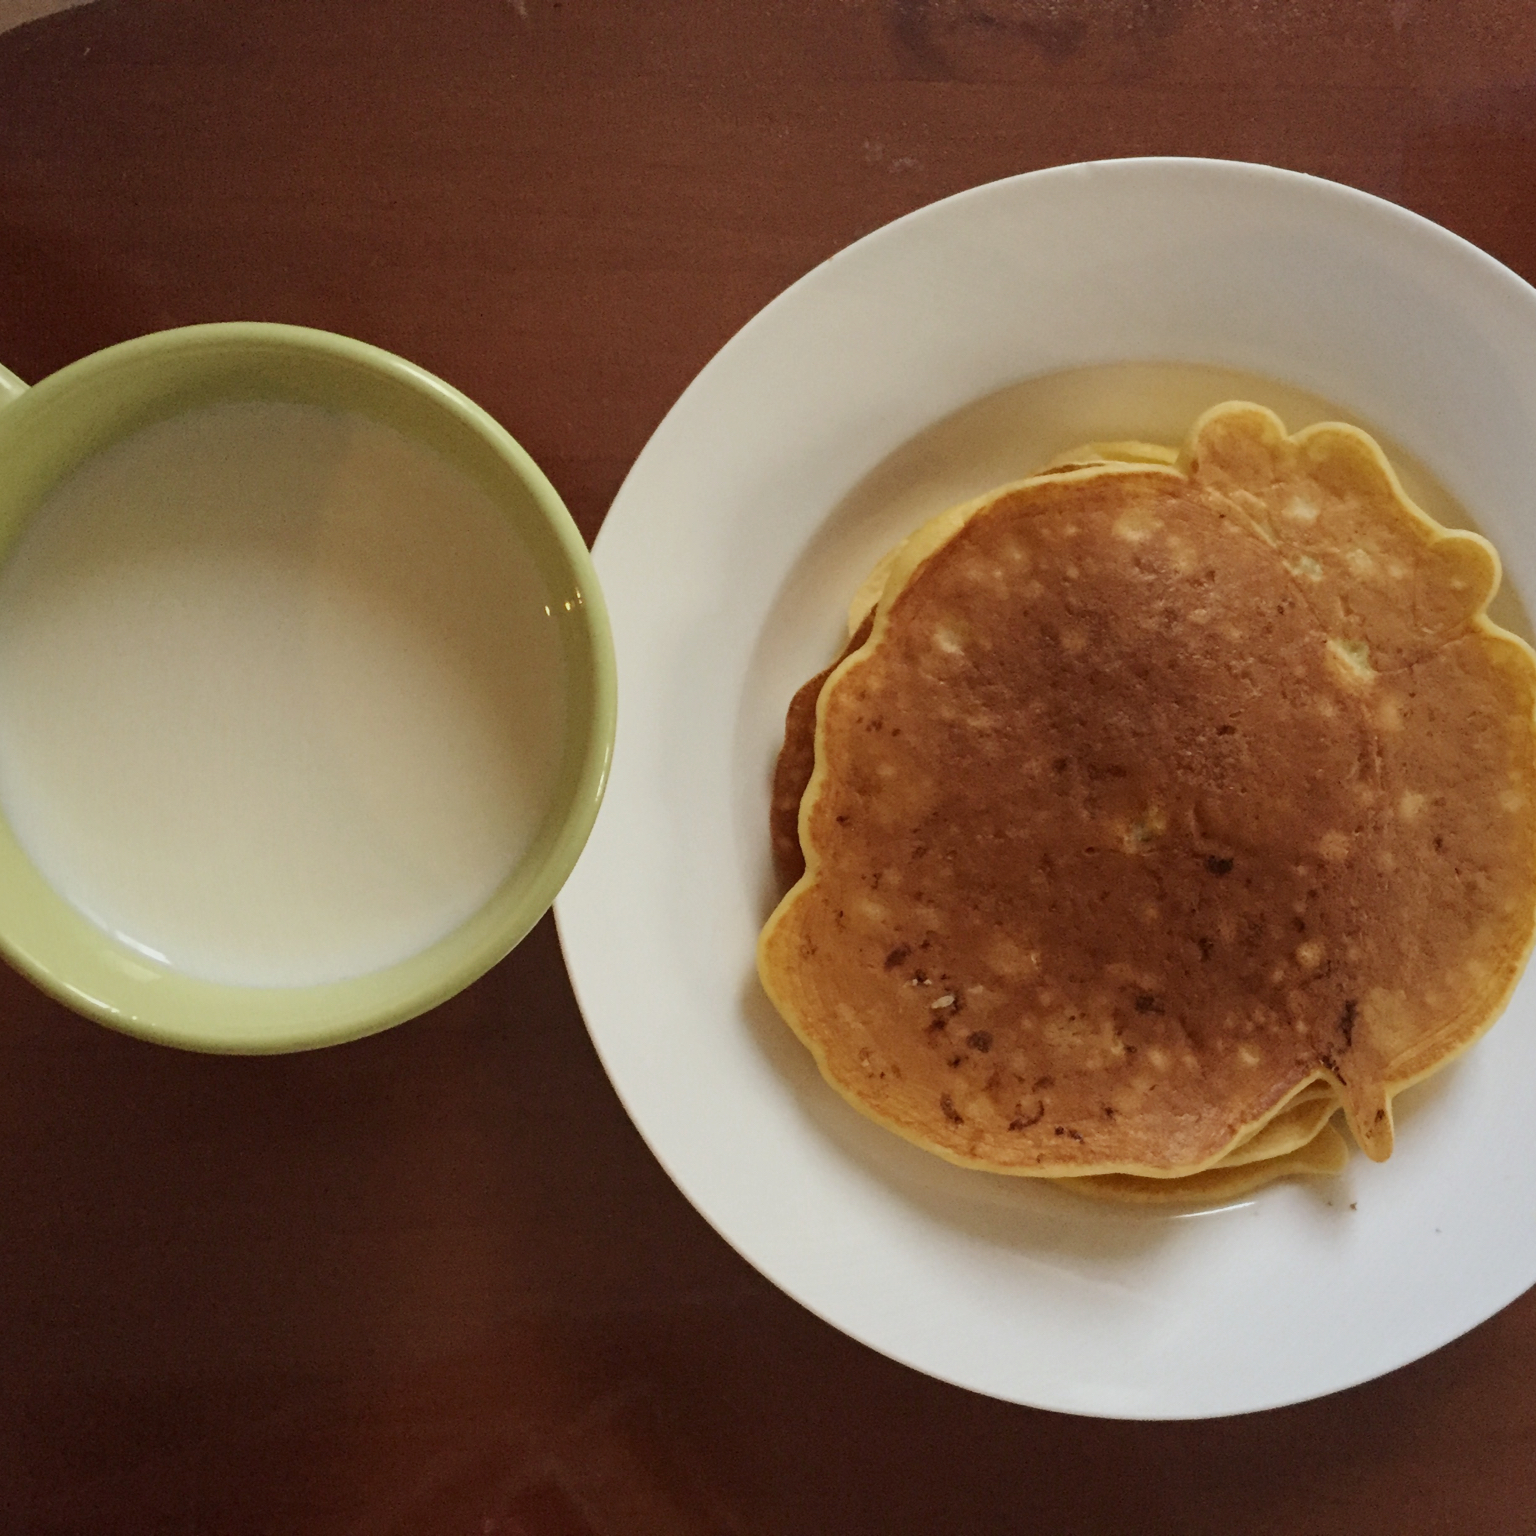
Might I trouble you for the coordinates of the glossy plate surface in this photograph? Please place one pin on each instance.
(815, 437)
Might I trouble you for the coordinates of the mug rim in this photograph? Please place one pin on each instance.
(140, 997)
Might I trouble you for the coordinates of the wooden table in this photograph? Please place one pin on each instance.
(433, 1282)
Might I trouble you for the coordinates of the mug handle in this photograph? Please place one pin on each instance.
(10, 385)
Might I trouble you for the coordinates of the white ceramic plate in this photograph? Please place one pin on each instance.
(803, 449)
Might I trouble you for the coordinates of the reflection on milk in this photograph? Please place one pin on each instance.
(280, 694)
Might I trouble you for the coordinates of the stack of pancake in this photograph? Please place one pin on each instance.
(1160, 807)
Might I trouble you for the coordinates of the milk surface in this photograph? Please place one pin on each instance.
(281, 694)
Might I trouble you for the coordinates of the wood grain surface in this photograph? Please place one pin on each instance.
(433, 1282)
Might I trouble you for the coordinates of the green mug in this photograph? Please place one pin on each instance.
(50, 430)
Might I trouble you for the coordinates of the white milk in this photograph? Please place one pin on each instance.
(280, 694)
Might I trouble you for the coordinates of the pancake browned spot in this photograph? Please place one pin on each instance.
(1183, 787)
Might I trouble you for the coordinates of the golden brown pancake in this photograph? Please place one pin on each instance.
(797, 758)
(1325, 1153)
(1292, 1143)
(1299, 1140)
(1153, 795)
(1302, 1119)
(1084, 457)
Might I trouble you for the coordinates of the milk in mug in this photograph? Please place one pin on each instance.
(281, 694)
